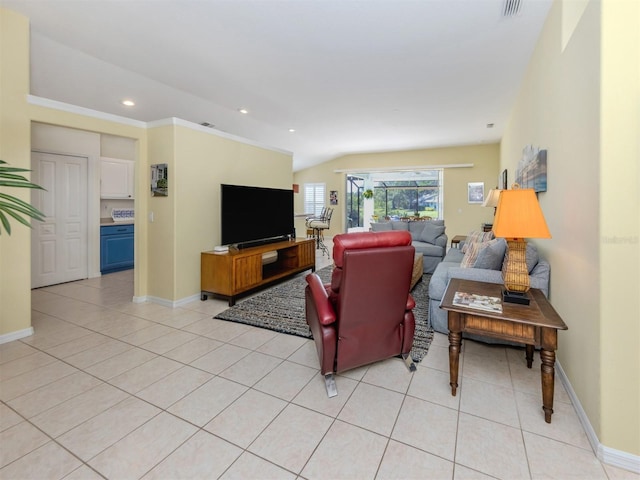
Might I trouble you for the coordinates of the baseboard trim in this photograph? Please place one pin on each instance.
(610, 456)
(139, 299)
(165, 302)
(17, 335)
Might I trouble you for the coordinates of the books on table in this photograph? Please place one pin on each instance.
(479, 302)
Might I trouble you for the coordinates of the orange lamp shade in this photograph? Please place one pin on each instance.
(519, 215)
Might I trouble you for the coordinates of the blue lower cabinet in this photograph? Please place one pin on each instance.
(116, 248)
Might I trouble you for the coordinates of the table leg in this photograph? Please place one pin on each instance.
(455, 340)
(548, 358)
(529, 355)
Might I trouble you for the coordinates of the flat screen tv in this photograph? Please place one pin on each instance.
(255, 215)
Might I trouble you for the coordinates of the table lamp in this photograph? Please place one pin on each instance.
(492, 199)
(518, 216)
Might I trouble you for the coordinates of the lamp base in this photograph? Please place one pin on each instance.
(520, 298)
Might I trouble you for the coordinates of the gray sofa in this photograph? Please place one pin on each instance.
(427, 236)
(485, 270)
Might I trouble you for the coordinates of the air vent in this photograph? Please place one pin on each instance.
(208, 125)
(511, 8)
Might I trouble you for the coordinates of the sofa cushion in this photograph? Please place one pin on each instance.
(440, 279)
(400, 225)
(415, 229)
(430, 232)
(492, 256)
(428, 249)
(381, 227)
(476, 236)
(470, 256)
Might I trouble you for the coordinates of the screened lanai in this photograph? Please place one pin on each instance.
(374, 196)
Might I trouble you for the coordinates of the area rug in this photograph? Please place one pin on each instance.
(281, 308)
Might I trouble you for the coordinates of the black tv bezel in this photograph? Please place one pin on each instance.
(273, 197)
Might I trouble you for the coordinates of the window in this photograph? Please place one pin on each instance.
(398, 197)
(314, 194)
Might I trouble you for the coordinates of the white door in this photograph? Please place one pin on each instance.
(59, 244)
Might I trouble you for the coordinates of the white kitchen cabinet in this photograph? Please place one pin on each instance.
(116, 178)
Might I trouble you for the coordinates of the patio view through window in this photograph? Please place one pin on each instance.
(395, 195)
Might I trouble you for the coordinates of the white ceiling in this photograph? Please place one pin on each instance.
(348, 75)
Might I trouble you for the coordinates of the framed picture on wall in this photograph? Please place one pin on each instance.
(504, 185)
(475, 192)
(333, 197)
(159, 180)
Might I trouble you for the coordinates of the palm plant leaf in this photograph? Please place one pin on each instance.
(14, 207)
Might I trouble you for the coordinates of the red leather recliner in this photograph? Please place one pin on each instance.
(365, 314)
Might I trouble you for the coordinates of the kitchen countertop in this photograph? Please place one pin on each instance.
(109, 221)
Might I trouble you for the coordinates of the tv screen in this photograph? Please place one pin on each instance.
(250, 214)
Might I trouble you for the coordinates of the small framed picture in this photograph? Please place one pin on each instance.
(333, 197)
(475, 192)
(504, 180)
(159, 180)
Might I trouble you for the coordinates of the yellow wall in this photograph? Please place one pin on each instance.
(460, 216)
(162, 243)
(579, 100)
(204, 161)
(174, 236)
(620, 225)
(15, 250)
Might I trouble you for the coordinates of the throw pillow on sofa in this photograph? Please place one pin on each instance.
(430, 232)
(477, 237)
(470, 256)
(532, 257)
(491, 256)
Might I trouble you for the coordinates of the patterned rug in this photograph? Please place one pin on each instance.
(281, 308)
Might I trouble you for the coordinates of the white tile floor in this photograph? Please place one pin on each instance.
(110, 389)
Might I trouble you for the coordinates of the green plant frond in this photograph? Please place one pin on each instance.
(22, 207)
(19, 184)
(6, 174)
(17, 217)
(28, 210)
(12, 206)
(12, 199)
(5, 223)
(9, 170)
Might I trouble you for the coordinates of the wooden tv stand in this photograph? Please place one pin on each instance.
(239, 271)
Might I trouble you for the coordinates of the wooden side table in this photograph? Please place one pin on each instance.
(535, 325)
(455, 241)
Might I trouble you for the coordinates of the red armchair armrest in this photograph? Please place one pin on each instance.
(326, 313)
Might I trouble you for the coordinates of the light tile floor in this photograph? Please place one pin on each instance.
(106, 388)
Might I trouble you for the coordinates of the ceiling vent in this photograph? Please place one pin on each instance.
(511, 8)
(208, 125)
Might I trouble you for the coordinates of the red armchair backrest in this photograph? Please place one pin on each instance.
(362, 241)
(369, 290)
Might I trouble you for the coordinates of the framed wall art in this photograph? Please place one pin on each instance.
(504, 185)
(159, 180)
(532, 169)
(475, 192)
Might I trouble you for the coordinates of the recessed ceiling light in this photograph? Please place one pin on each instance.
(292, 130)
(489, 125)
(243, 111)
(128, 103)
